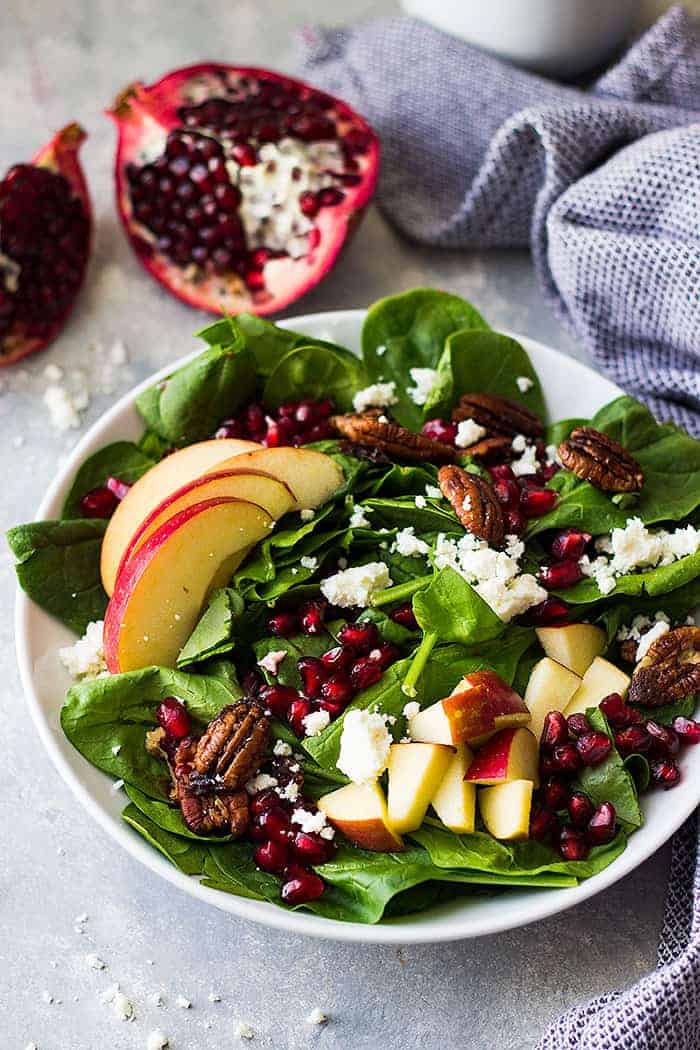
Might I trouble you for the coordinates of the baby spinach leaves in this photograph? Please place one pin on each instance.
(121, 459)
(315, 372)
(216, 631)
(611, 781)
(652, 583)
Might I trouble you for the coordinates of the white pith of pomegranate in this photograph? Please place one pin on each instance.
(45, 232)
(238, 186)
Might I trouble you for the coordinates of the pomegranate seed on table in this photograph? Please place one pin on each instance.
(570, 545)
(362, 637)
(554, 731)
(601, 826)
(274, 824)
(311, 618)
(567, 758)
(339, 658)
(664, 773)
(578, 724)
(172, 716)
(580, 809)
(440, 430)
(283, 624)
(572, 844)
(555, 793)
(404, 616)
(593, 748)
(365, 672)
(618, 713)
(338, 689)
(632, 740)
(302, 888)
(543, 823)
(536, 502)
(664, 741)
(313, 674)
(310, 848)
(278, 699)
(99, 503)
(559, 576)
(272, 857)
(298, 710)
(687, 729)
(548, 613)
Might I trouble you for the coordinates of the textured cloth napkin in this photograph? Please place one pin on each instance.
(603, 184)
(605, 187)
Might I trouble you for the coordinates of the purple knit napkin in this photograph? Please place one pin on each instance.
(604, 185)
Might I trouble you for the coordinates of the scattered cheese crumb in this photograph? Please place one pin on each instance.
(468, 433)
(315, 722)
(364, 746)
(53, 373)
(380, 350)
(317, 1016)
(411, 709)
(243, 1031)
(433, 492)
(213, 997)
(290, 791)
(282, 748)
(524, 383)
(420, 502)
(86, 658)
(519, 443)
(652, 635)
(157, 1040)
(634, 547)
(261, 782)
(122, 1007)
(95, 961)
(116, 749)
(378, 395)
(308, 563)
(306, 514)
(359, 519)
(408, 544)
(310, 823)
(183, 1003)
(272, 660)
(424, 379)
(527, 463)
(117, 786)
(355, 586)
(63, 412)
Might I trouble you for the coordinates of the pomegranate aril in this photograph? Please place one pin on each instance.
(554, 731)
(573, 844)
(507, 493)
(555, 793)
(283, 624)
(543, 823)
(334, 710)
(593, 748)
(313, 674)
(302, 889)
(272, 856)
(310, 848)
(263, 801)
(632, 740)
(536, 502)
(502, 472)
(118, 487)
(274, 824)
(664, 773)
(549, 470)
(578, 724)
(338, 689)
(548, 767)
(278, 699)
(404, 616)
(601, 826)
(687, 729)
(385, 654)
(618, 713)
(362, 637)
(570, 545)
(308, 204)
(580, 809)
(561, 575)
(244, 155)
(252, 682)
(99, 503)
(548, 613)
(567, 758)
(311, 618)
(440, 430)
(664, 741)
(339, 658)
(172, 716)
(365, 672)
(298, 711)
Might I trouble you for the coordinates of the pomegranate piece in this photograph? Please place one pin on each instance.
(572, 844)
(502, 472)
(311, 617)
(555, 793)
(664, 741)
(385, 654)
(593, 748)
(99, 503)
(272, 857)
(337, 690)
(535, 502)
(561, 575)
(632, 740)
(578, 724)
(543, 823)
(118, 487)
(313, 674)
(687, 729)
(304, 886)
(273, 824)
(507, 492)
(617, 712)
(601, 826)
(264, 800)
(570, 545)
(567, 758)
(404, 615)
(251, 185)
(365, 672)
(172, 716)
(252, 682)
(580, 809)
(296, 714)
(515, 521)
(283, 624)
(664, 773)
(278, 699)
(362, 637)
(440, 430)
(45, 234)
(310, 848)
(554, 731)
(339, 658)
(548, 613)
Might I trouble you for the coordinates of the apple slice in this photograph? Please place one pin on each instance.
(359, 811)
(267, 492)
(160, 592)
(601, 679)
(512, 754)
(415, 772)
(480, 705)
(455, 798)
(505, 809)
(312, 476)
(154, 486)
(575, 645)
(550, 688)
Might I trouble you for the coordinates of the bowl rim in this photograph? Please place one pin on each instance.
(420, 929)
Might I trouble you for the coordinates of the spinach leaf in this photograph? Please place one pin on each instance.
(122, 460)
(186, 855)
(665, 713)
(481, 361)
(216, 631)
(580, 506)
(112, 714)
(652, 583)
(409, 331)
(402, 511)
(315, 372)
(557, 432)
(677, 604)
(58, 565)
(167, 817)
(152, 445)
(611, 781)
(296, 647)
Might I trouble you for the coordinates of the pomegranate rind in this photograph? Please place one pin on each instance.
(60, 154)
(145, 114)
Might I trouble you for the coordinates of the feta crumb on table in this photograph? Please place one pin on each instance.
(316, 1017)
(157, 1040)
(243, 1031)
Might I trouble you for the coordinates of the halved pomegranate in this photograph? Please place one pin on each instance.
(45, 230)
(238, 186)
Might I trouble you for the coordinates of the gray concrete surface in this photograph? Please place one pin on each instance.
(62, 60)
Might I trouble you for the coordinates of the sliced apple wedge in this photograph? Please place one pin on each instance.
(160, 592)
(601, 679)
(415, 772)
(267, 492)
(360, 812)
(455, 798)
(156, 485)
(505, 809)
(512, 754)
(549, 688)
(312, 476)
(575, 645)
(480, 705)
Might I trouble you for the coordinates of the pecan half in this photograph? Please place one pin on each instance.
(489, 448)
(394, 440)
(474, 502)
(600, 459)
(209, 814)
(670, 671)
(499, 415)
(232, 747)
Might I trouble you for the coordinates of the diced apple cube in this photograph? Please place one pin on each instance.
(601, 679)
(574, 645)
(415, 771)
(360, 812)
(550, 688)
(505, 809)
(455, 798)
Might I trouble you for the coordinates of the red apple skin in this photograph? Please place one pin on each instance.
(481, 705)
(369, 834)
(491, 762)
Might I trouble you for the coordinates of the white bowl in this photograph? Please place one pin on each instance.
(570, 389)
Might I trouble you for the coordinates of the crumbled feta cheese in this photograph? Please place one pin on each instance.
(122, 1007)
(424, 380)
(364, 746)
(359, 519)
(307, 514)
(316, 1017)
(183, 1003)
(261, 782)
(408, 544)
(551, 455)
(634, 547)
(290, 791)
(157, 999)
(468, 433)
(86, 658)
(495, 575)
(651, 636)
(355, 586)
(433, 492)
(243, 1031)
(308, 562)
(31, 1046)
(514, 547)
(524, 383)
(116, 749)
(17, 441)
(157, 1040)
(327, 833)
(380, 350)
(282, 748)
(411, 709)
(315, 722)
(94, 961)
(420, 502)
(514, 598)
(519, 443)
(527, 463)
(272, 660)
(310, 823)
(53, 373)
(117, 786)
(378, 395)
(47, 998)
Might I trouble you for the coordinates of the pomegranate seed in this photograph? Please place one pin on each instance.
(507, 492)
(310, 848)
(618, 713)
(404, 615)
(274, 824)
(515, 522)
(338, 689)
(593, 748)
(283, 624)
(567, 758)
(302, 889)
(580, 809)
(570, 545)
(118, 487)
(99, 503)
(440, 430)
(278, 699)
(231, 428)
(365, 672)
(561, 575)
(688, 729)
(549, 612)
(255, 418)
(333, 709)
(572, 844)
(543, 823)
(601, 826)
(578, 724)
(549, 470)
(633, 740)
(362, 637)
(554, 731)
(172, 716)
(555, 793)
(272, 856)
(385, 655)
(501, 472)
(339, 658)
(548, 767)
(263, 801)
(330, 196)
(244, 155)
(664, 741)
(252, 683)
(536, 502)
(298, 711)
(313, 675)
(308, 204)
(664, 773)
(311, 617)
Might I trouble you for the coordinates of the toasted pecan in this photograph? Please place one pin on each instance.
(206, 814)
(670, 670)
(474, 502)
(395, 441)
(498, 415)
(600, 459)
(232, 747)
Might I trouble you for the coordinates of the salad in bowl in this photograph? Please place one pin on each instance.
(362, 635)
